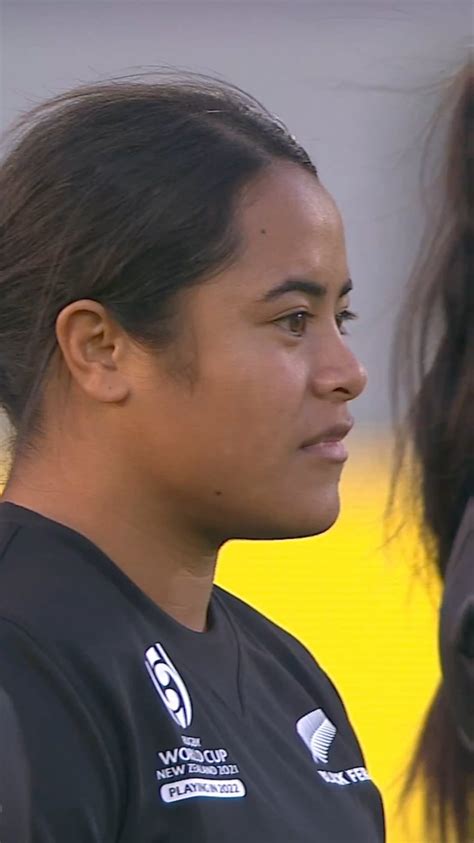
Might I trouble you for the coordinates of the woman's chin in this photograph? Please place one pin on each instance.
(300, 522)
(320, 515)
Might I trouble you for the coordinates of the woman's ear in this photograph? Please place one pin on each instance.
(94, 349)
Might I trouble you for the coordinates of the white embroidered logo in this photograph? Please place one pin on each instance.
(318, 733)
(169, 684)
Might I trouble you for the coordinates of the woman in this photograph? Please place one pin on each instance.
(173, 288)
(435, 354)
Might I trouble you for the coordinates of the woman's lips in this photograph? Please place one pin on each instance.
(328, 444)
(334, 450)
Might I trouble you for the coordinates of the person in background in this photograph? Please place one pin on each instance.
(174, 291)
(433, 369)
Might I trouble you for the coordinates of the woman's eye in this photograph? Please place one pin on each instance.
(297, 322)
(343, 317)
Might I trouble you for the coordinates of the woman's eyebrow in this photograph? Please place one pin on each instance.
(303, 285)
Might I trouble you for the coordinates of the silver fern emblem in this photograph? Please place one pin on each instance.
(318, 733)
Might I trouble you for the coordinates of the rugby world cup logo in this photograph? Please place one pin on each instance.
(169, 685)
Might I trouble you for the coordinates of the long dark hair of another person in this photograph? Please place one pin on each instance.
(433, 370)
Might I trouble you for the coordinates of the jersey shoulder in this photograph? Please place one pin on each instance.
(262, 634)
(254, 624)
(54, 582)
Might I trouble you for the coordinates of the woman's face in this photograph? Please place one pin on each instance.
(263, 371)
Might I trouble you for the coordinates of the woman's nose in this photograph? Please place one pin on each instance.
(340, 374)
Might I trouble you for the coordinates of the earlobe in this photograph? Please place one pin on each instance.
(91, 346)
(105, 386)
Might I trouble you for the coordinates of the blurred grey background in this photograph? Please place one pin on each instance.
(357, 81)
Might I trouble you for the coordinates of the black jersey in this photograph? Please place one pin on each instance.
(139, 730)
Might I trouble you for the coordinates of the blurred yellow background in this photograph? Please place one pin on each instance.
(369, 618)
(364, 612)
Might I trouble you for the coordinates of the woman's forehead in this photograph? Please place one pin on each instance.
(290, 222)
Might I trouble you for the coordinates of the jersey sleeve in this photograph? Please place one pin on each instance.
(15, 813)
(74, 790)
